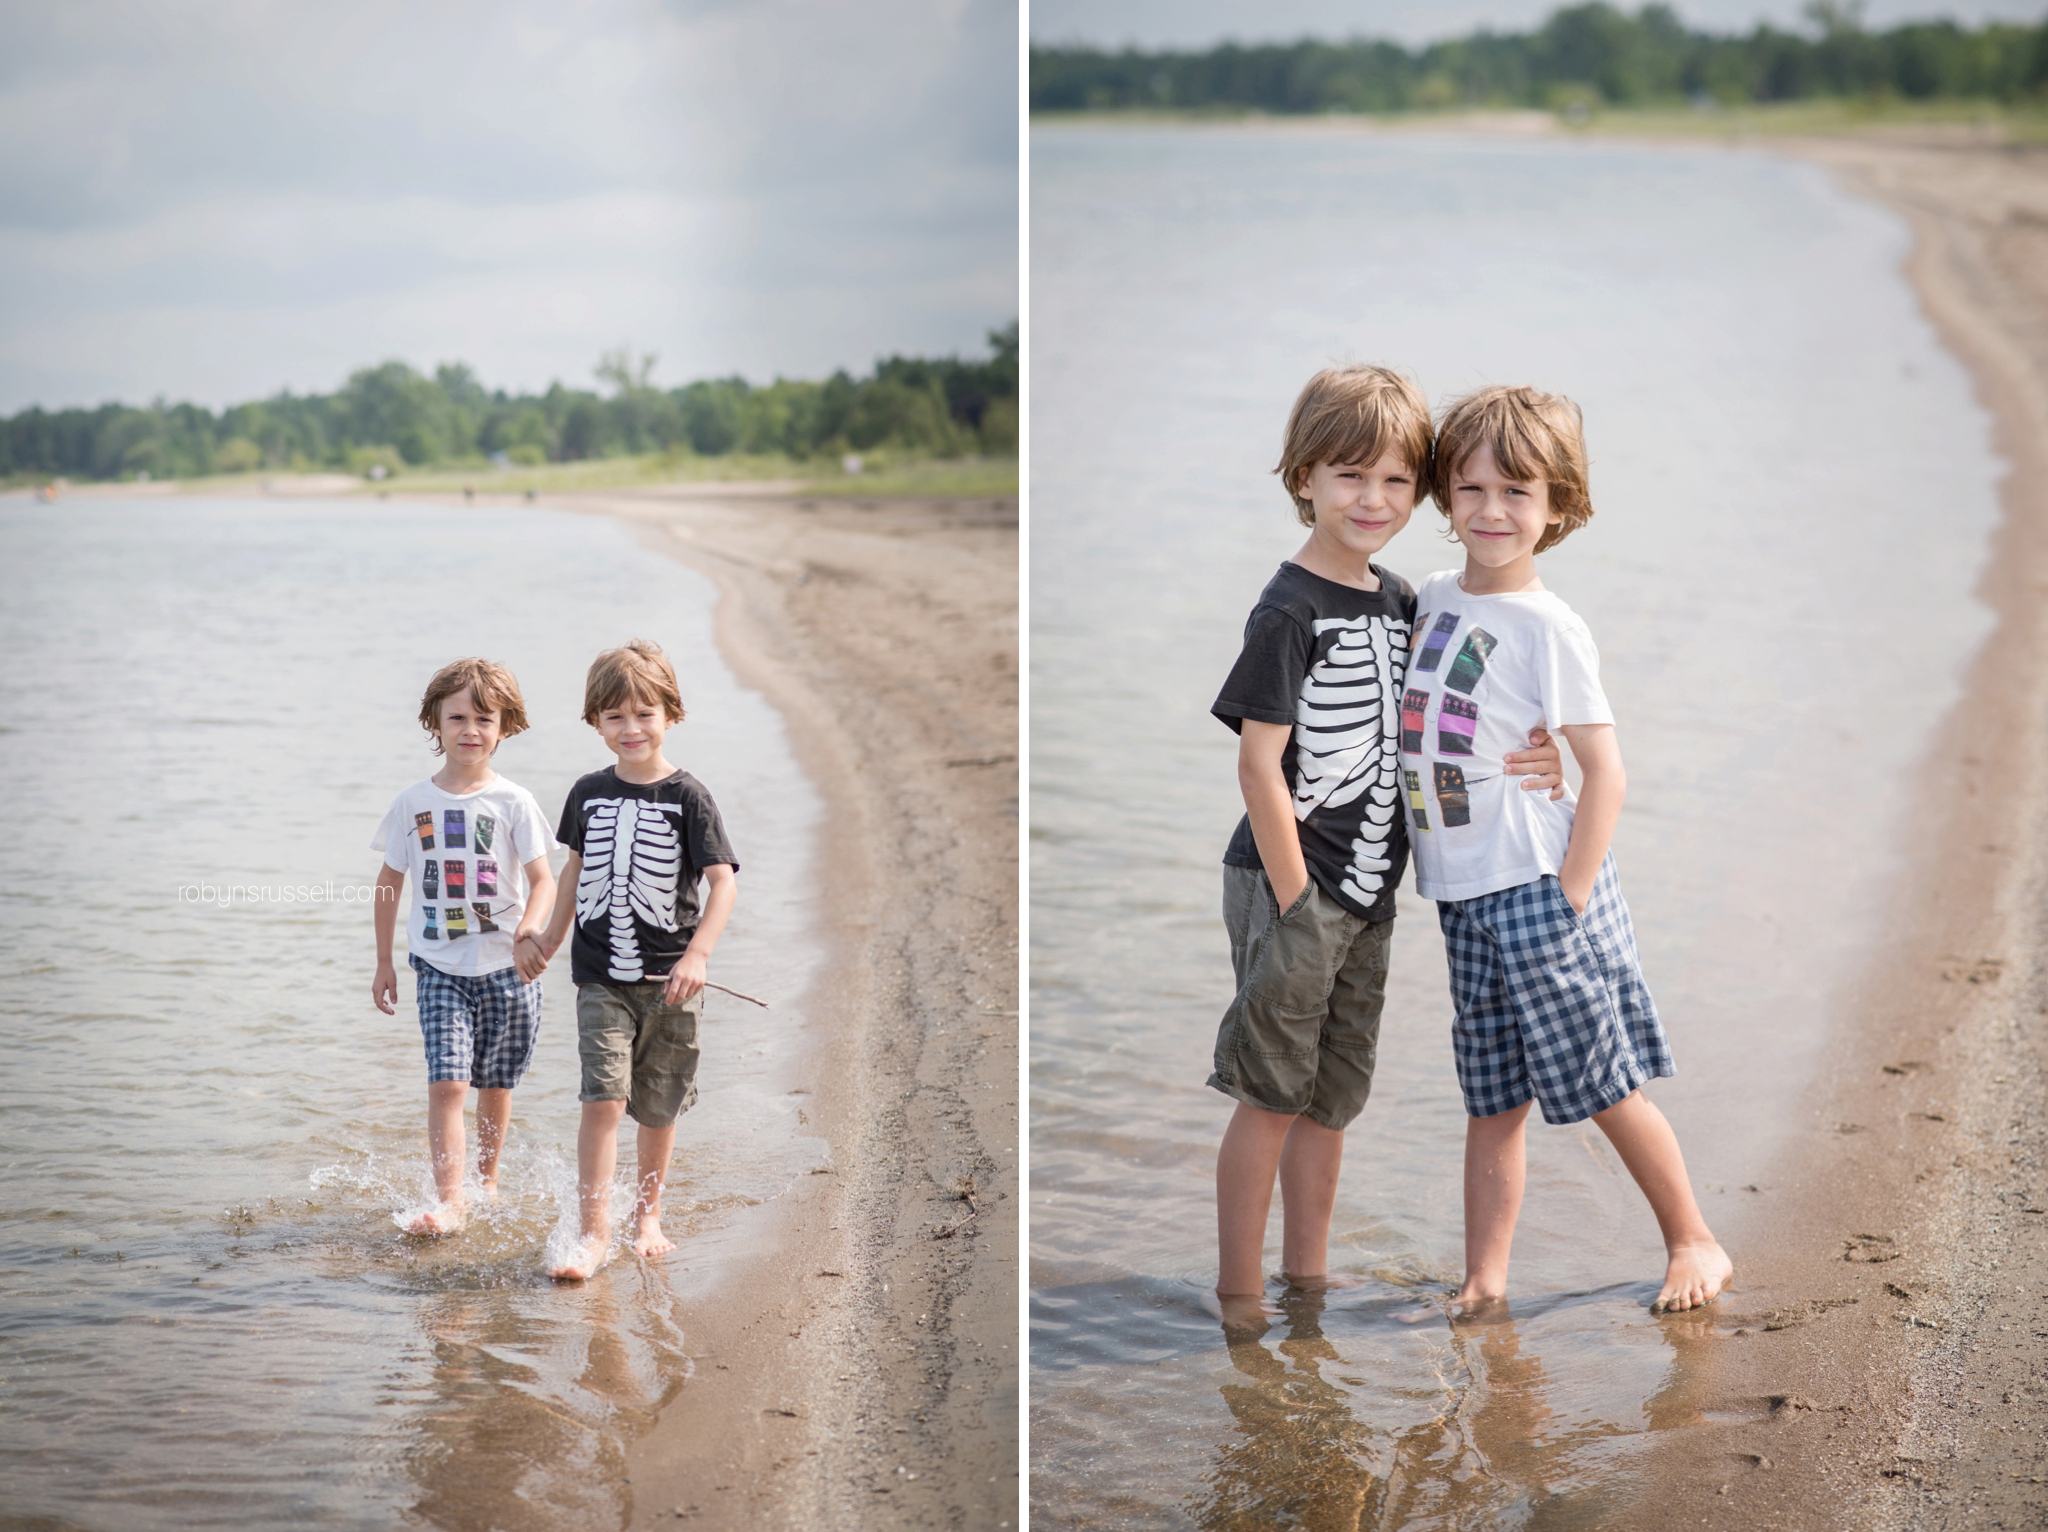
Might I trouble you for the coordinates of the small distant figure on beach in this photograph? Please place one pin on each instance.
(1550, 998)
(475, 846)
(1309, 877)
(642, 836)
(469, 494)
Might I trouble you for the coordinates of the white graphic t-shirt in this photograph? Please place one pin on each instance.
(1484, 671)
(465, 856)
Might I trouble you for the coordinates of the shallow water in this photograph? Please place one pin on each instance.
(208, 1316)
(1794, 492)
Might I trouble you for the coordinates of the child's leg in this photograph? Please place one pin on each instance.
(445, 1099)
(1309, 1161)
(1496, 1168)
(1697, 1267)
(597, 1156)
(1245, 1166)
(655, 1146)
(493, 1116)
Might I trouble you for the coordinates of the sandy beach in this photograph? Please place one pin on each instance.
(862, 1369)
(1881, 1359)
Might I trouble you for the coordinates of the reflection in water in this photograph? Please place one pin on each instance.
(1494, 1452)
(1302, 1458)
(533, 1407)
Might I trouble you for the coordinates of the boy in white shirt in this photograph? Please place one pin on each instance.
(1551, 1003)
(474, 844)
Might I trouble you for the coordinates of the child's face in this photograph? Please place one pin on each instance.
(468, 733)
(1359, 505)
(633, 730)
(1498, 519)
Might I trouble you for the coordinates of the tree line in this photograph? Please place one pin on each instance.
(1583, 55)
(398, 417)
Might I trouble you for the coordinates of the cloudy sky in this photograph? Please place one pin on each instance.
(1200, 23)
(214, 199)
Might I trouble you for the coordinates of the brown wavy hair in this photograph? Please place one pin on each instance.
(637, 671)
(495, 688)
(1354, 415)
(1534, 436)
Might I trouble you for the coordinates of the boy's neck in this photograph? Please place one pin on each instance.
(1501, 579)
(647, 771)
(451, 779)
(1334, 562)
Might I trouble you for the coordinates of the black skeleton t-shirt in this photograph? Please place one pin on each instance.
(1328, 660)
(645, 846)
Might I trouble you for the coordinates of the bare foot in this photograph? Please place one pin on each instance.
(649, 1242)
(1473, 1304)
(441, 1218)
(586, 1260)
(1694, 1277)
(490, 1189)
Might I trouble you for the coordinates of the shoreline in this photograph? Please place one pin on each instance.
(863, 1366)
(1880, 1356)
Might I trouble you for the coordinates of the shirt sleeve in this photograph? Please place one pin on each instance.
(1265, 683)
(390, 837)
(530, 836)
(1568, 677)
(704, 833)
(570, 831)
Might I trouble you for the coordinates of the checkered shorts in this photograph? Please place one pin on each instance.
(1551, 1004)
(478, 1027)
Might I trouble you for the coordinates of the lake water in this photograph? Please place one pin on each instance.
(1794, 490)
(208, 1317)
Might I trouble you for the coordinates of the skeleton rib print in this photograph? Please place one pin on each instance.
(632, 855)
(1347, 737)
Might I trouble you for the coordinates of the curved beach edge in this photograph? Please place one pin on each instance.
(1881, 1360)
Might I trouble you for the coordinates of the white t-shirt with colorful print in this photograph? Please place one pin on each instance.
(465, 855)
(1483, 672)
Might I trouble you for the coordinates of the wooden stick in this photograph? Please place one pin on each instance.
(739, 994)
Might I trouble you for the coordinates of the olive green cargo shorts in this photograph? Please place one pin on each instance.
(638, 1050)
(1304, 1031)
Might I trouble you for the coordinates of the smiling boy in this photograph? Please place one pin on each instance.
(641, 836)
(473, 844)
(1551, 1003)
(1309, 878)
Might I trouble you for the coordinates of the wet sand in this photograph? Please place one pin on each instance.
(862, 1368)
(1883, 1357)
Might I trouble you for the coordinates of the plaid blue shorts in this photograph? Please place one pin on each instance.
(1551, 1004)
(478, 1027)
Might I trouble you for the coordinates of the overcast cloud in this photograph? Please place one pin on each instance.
(215, 200)
(1203, 23)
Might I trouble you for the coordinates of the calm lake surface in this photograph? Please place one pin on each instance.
(208, 1317)
(1794, 491)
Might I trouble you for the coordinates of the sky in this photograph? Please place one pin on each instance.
(216, 199)
(1203, 23)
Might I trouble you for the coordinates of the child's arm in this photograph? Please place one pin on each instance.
(1604, 784)
(1271, 807)
(384, 988)
(540, 904)
(564, 911)
(687, 977)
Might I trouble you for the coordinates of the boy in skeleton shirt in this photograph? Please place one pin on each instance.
(641, 835)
